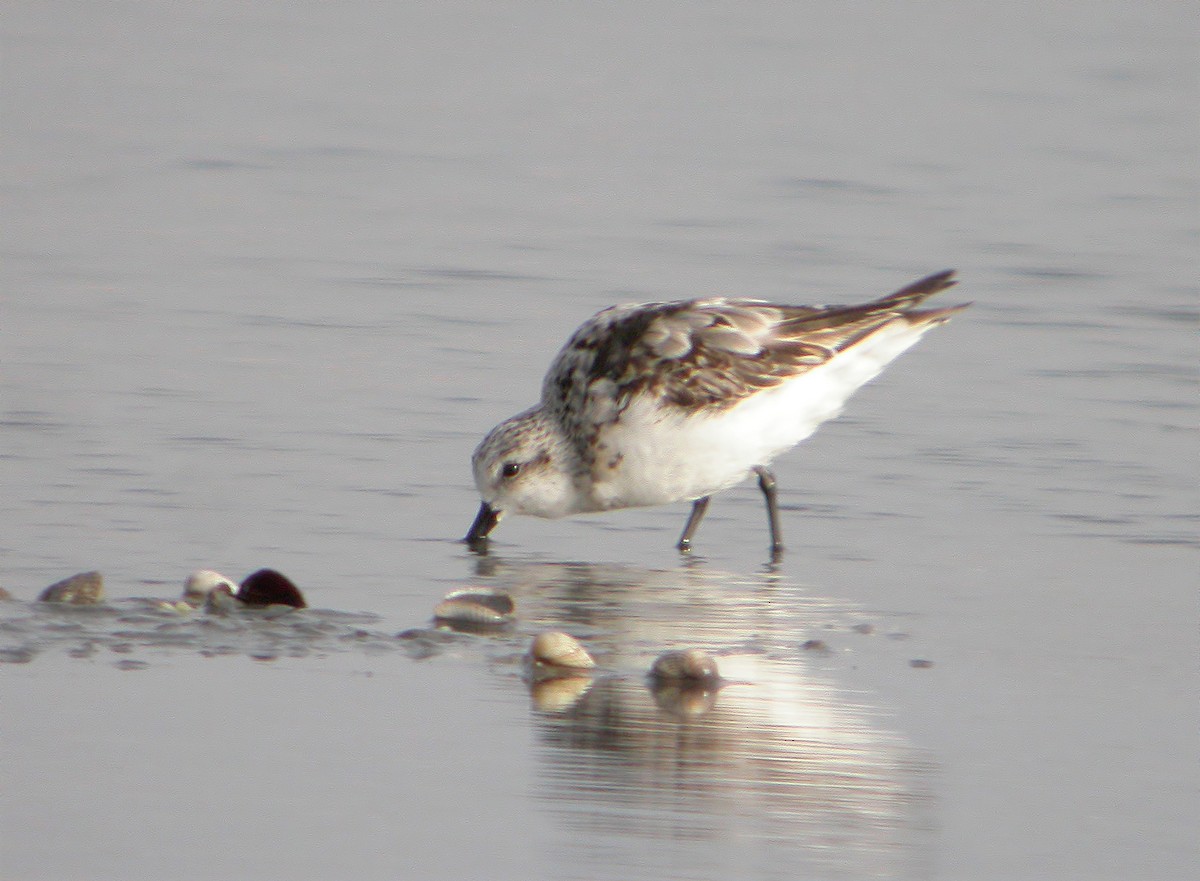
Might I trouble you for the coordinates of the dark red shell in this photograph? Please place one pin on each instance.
(266, 587)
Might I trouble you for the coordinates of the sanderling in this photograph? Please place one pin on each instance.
(654, 403)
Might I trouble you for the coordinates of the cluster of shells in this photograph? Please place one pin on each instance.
(206, 589)
(557, 665)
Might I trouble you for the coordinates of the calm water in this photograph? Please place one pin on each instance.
(270, 272)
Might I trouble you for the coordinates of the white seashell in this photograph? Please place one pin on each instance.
(202, 583)
(556, 649)
(476, 606)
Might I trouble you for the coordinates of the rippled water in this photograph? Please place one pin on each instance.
(270, 272)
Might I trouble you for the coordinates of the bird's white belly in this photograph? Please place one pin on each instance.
(656, 455)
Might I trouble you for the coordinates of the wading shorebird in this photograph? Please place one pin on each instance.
(654, 403)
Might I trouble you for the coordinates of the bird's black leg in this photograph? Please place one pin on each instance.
(698, 508)
(766, 482)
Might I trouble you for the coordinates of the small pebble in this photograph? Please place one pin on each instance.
(920, 664)
(814, 645)
(687, 667)
(84, 589)
(685, 684)
(479, 607)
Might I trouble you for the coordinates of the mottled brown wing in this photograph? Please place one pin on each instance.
(708, 354)
(840, 327)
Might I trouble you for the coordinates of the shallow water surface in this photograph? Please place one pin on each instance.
(270, 272)
(781, 769)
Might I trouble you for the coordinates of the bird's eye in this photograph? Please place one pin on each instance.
(511, 469)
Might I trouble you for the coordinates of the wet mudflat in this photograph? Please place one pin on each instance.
(270, 273)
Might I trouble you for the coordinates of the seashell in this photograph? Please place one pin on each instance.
(476, 607)
(685, 683)
(201, 583)
(557, 649)
(266, 587)
(84, 589)
(4, 595)
(687, 667)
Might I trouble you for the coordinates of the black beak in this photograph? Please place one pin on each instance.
(485, 522)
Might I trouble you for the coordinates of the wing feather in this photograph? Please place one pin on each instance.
(710, 354)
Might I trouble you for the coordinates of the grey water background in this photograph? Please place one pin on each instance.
(269, 272)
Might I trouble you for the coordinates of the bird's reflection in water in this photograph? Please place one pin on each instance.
(777, 773)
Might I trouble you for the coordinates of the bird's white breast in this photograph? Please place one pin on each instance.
(656, 454)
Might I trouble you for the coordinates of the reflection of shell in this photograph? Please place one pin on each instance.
(86, 588)
(558, 694)
(683, 699)
(690, 666)
(478, 606)
(556, 649)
